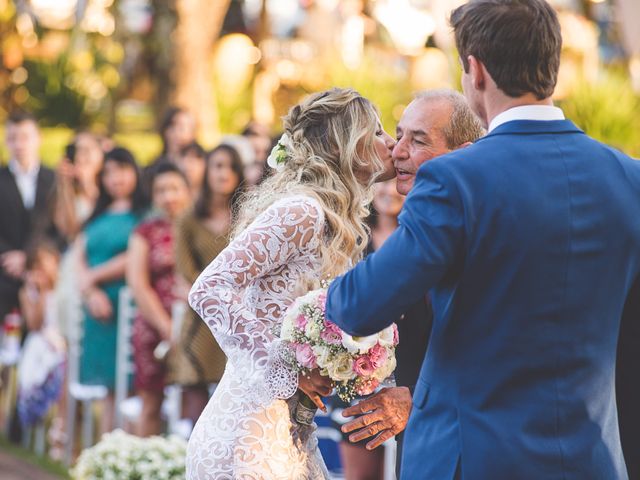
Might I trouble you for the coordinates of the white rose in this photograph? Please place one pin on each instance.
(386, 337)
(323, 355)
(358, 344)
(312, 330)
(340, 368)
(286, 333)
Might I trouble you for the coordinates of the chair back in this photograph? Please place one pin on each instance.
(124, 351)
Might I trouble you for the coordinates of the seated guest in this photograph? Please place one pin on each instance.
(37, 297)
(150, 275)
(42, 366)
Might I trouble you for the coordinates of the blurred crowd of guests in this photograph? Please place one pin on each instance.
(72, 238)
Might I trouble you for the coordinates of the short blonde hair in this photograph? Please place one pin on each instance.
(332, 138)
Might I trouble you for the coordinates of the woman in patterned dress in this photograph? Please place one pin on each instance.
(151, 277)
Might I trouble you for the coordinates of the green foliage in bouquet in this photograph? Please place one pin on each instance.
(120, 456)
(608, 110)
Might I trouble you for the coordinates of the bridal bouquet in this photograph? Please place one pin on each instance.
(356, 365)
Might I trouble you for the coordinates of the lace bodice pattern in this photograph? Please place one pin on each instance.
(246, 429)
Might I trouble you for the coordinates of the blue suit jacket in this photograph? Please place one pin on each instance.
(529, 241)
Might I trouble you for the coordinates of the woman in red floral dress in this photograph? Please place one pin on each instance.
(151, 277)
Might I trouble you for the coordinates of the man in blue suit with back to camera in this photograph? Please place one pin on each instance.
(529, 242)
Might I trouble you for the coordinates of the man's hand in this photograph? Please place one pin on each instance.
(383, 415)
(13, 262)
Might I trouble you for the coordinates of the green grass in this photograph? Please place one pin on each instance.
(44, 463)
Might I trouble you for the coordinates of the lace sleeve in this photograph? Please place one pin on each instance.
(288, 231)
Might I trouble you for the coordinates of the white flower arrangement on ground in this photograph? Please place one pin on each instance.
(356, 365)
(120, 456)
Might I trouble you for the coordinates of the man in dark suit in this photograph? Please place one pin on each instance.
(529, 243)
(25, 189)
(435, 123)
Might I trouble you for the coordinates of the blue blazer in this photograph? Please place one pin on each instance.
(529, 241)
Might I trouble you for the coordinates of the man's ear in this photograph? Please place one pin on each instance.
(476, 72)
(463, 145)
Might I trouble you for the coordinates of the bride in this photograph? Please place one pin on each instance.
(304, 224)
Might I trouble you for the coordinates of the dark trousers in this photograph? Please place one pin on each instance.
(399, 443)
(627, 385)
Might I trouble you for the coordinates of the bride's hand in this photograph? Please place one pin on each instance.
(315, 386)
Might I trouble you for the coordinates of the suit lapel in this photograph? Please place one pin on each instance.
(12, 191)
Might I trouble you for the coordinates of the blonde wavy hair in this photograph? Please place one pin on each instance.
(332, 137)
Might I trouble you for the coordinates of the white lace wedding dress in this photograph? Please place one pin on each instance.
(246, 431)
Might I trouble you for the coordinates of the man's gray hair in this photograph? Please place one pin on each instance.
(464, 126)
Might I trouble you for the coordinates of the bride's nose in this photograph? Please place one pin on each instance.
(390, 141)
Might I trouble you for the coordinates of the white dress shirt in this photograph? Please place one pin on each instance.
(27, 183)
(527, 112)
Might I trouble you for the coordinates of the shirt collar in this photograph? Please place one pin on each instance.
(527, 112)
(17, 170)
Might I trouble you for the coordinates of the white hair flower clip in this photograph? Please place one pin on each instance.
(278, 155)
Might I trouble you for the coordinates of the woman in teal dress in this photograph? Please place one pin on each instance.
(118, 210)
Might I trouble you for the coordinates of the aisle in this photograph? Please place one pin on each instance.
(12, 468)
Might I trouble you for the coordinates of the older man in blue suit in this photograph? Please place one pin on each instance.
(529, 241)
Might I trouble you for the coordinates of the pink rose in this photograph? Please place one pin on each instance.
(331, 333)
(305, 355)
(363, 367)
(378, 355)
(301, 322)
(367, 387)
(396, 335)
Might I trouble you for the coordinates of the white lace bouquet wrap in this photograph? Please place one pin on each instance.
(355, 365)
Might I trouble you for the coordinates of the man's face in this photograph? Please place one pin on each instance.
(419, 138)
(23, 142)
